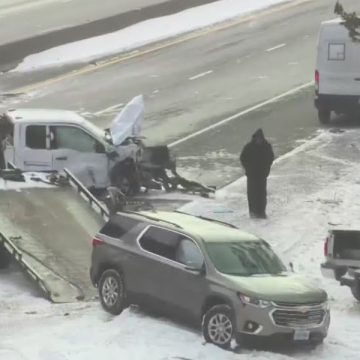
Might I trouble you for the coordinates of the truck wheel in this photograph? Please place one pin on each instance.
(355, 290)
(112, 291)
(218, 326)
(5, 257)
(324, 115)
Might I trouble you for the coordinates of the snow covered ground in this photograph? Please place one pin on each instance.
(32, 180)
(311, 189)
(143, 33)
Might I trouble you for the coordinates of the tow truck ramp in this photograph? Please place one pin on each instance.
(48, 232)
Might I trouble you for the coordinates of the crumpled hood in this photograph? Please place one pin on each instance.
(286, 288)
(128, 123)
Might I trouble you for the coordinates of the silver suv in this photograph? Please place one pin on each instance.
(229, 281)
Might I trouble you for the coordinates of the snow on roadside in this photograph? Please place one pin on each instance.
(311, 189)
(143, 33)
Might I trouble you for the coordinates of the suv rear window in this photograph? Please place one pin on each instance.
(118, 226)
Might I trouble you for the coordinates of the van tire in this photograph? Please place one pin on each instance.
(112, 291)
(324, 115)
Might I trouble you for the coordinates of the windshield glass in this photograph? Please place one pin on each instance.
(98, 132)
(101, 134)
(244, 258)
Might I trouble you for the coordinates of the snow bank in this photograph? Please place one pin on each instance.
(143, 33)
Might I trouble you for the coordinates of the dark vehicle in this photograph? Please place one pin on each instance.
(207, 271)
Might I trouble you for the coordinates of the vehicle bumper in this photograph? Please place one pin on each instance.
(339, 103)
(328, 271)
(265, 324)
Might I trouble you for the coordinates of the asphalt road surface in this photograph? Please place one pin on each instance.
(191, 85)
(30, 26)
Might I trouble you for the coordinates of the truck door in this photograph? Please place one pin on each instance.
(34, 153)
(81, 153)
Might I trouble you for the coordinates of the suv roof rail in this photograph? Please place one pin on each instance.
(209, 219)
(150, 217)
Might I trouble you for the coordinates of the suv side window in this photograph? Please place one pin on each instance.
(118, 226)
(189, 254)
(35, 137)
(161, 242)
(69, 137)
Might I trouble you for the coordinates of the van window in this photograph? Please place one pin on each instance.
(36, 136)
(68, 137)
(336, 52)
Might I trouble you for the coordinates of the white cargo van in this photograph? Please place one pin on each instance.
(337, 75)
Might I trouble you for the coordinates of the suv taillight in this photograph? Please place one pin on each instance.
(317, 80)
(97, 242)
(326, 246)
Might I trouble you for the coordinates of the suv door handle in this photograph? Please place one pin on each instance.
(357, 79)
(61, 158)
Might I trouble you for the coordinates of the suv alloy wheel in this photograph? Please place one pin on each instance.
(218, 326)
(112, 291)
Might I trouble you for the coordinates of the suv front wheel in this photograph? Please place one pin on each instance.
(218, 326)
(112, 291)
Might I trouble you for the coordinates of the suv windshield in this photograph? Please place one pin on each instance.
(244, 258)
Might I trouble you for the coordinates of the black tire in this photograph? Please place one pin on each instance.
(213, 331)
(112, 291)
(324, 115)
(355, 290)
(5, 257)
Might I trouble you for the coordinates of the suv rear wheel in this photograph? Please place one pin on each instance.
(218, 326)
(112, 291)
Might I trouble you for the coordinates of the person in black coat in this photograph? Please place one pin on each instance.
(257, 157)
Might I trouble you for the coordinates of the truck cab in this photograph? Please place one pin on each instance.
(49, 140)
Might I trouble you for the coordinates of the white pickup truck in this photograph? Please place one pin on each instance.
(51, 140)
(342, 254)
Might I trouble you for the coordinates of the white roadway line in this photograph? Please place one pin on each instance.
(201, 75)
(275, 47)
(21, 6)
(113, 107)
(242, 113)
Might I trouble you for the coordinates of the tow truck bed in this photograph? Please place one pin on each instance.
(49, 232)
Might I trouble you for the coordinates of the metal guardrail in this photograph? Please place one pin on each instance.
(17, 254)
(87, 195)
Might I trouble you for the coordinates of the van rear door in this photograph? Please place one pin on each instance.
(338, 61)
